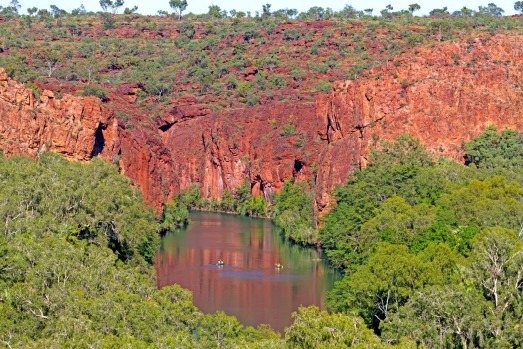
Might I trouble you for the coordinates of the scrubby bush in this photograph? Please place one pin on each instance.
(96, 91)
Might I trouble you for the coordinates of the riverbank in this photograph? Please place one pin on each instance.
(248, 286)
(290, 209)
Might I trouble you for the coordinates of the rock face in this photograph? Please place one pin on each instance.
(149, 163)
(265, 144)
(78, 128)
(443, 95)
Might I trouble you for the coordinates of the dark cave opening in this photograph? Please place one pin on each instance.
(298, 165)
(99, 141)
(166, 127)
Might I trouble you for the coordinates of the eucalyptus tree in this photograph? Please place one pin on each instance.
(107, 5)
(413, 8)
(179, 6)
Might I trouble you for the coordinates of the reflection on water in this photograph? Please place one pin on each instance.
(248, 285)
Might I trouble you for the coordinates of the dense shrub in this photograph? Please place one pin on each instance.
(97, 91)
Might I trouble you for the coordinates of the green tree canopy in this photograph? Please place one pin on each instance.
(293, 212)
(314, 329)
(73, 241)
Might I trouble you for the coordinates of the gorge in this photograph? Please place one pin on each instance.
(394, 142)
(444, 94)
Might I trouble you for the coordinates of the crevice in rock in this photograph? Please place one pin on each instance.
(99, 141)
(360, 128)
(203, 142)
(298, 165)
(260, 181)
(166, 127)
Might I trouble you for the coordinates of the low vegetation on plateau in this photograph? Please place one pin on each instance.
(224, 58)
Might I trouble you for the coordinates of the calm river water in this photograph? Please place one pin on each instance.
(248, 286)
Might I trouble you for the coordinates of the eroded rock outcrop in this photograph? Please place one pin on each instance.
(77, 128)
(145, 159)
(82, 127)
(264, 144)
(443, 95)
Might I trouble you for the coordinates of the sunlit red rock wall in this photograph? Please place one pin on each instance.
(443, 94)
(80, 128)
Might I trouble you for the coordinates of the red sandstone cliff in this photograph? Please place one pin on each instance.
(77, 128)
(443, 95)
(80, 128)
(264, 144)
